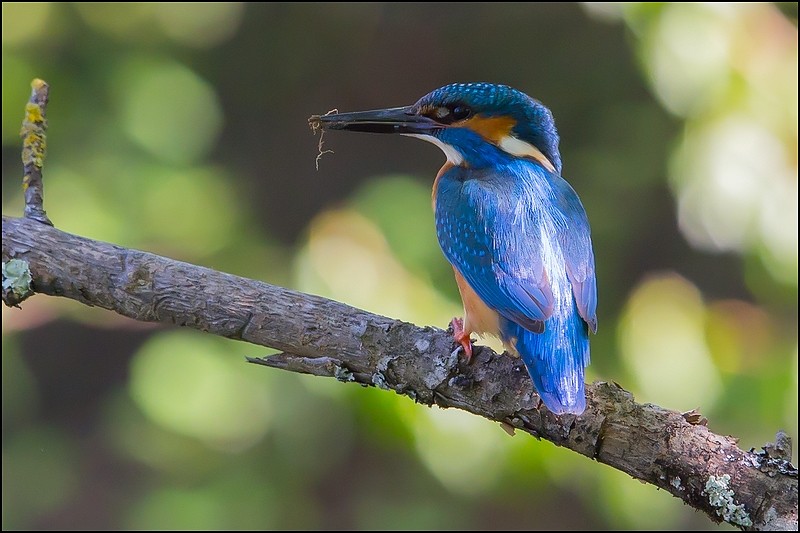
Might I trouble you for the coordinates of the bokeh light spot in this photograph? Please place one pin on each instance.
(24, 22)
(191, 211)
(662, 341)
(192, 385)
(464, 452)
(172, 508)
(17, 75)
(118, 20)
(168, 110)
(687, 57)
(201, 25)
(40, 473)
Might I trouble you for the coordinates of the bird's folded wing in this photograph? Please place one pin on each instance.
(576, 245)
(506, 272)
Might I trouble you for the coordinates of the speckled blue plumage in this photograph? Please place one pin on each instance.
(512, 227)
(518, 234)
(535, 122)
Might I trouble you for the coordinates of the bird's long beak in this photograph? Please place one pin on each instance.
(394, 120)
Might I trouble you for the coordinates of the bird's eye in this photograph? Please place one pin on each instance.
(451, 113)
(460, 112)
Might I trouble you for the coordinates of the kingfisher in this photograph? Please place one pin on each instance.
(513, 229)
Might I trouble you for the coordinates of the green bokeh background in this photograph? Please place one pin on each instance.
(181, 129)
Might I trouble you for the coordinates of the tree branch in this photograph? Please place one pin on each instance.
(673, 451)
(34, 146)
(670, 450)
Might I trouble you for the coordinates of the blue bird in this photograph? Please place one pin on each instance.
(513, 229)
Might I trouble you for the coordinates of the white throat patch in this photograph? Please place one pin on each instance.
(453, 156)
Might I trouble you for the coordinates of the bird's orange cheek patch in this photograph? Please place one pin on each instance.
(497, 130)
(493, 129)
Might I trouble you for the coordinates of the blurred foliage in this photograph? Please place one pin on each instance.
(181, 129)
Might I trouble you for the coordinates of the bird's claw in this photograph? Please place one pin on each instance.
(462, 338)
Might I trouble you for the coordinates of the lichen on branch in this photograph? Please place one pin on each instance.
(34, 149)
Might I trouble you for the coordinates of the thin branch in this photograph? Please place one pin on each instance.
(673, 451)
(327, 338)
(34, 147)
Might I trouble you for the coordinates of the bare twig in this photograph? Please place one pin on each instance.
(34, 146)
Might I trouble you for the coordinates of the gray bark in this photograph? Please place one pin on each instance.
(673, 451)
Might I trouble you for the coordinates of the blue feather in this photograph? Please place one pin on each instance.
(512, 227)
(555, 359)
(519, 236)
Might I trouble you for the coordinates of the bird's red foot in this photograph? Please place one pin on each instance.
(462, 337)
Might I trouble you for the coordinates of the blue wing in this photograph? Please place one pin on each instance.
(487, 231)
(491, 228)
(491, 248)
(576, 245)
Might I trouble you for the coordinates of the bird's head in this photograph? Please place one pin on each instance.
(472, 123)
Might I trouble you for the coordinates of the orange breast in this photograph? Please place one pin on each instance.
(478, 317)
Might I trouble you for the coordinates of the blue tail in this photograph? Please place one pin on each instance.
(556, 359)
